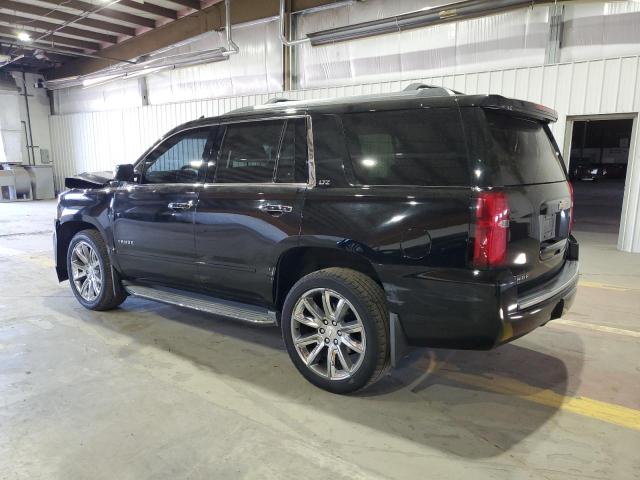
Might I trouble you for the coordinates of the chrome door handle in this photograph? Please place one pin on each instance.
(276, 209)
(180, 205)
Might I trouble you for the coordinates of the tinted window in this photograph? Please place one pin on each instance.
(178, 160)
(408, 147)
(249, 152)
(520, 150)
(292, 162)
(330, 151)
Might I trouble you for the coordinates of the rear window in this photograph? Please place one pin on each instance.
(407, 147)
(519, 151)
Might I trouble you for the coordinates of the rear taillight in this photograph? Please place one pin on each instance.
(571, 208)
(492, 229)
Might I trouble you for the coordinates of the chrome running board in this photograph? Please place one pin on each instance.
(202, 303)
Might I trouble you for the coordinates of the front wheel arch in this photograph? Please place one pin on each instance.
(64, 234)
(111, 293)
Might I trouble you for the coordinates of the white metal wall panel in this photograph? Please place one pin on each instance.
(600, 30)
(629, 238)
(257, 67)
(100, 140)
(109, 96)
(508, 39)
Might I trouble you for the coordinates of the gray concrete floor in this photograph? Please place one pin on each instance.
(153, 391)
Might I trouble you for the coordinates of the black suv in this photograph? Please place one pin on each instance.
(358, 226)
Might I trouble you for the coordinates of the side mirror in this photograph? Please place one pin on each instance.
(124, 173)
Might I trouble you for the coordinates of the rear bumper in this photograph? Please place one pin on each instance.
(474, 310)
(521, 315)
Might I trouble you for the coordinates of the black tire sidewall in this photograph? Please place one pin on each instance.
(104, 268)
(367, 368)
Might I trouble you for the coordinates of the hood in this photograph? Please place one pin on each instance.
(89, 180)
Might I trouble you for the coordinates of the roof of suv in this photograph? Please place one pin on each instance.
(420, 96)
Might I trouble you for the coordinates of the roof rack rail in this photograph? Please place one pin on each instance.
(277, 100)
(436, 88)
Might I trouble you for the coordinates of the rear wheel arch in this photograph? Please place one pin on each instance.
(338, 348)
(297, 262)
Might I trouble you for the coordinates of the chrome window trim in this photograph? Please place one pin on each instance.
(311, 175)
(263, 184)
(311, 162)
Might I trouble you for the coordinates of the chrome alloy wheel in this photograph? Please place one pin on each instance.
(328, 334)
(86, 271)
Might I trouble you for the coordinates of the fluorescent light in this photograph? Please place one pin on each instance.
(89, 82)
(24, 37)
(144, 67)
(421, 18)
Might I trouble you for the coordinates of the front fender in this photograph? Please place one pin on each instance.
(79, 210)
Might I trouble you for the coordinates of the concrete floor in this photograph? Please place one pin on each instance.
(598, 205)
(153, 391)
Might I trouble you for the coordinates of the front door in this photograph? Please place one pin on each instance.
(249, 210)
(153, 217)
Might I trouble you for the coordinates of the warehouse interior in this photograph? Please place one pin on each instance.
(598, 167)
(153, 390)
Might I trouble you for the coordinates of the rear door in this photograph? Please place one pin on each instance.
(153, 217)
(250, 207)
(519, 156)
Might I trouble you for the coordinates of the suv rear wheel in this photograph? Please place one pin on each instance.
(335, 327)
(90, 275)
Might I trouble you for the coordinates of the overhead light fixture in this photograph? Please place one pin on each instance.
(93, 81)
(145, 67)
(24, 36)
(421, 18)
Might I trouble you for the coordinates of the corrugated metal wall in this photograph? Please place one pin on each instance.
(101, 140)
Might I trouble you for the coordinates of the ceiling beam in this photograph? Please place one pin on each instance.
(107, 12)
(73, 42)
(194, 4)
(206, 20)
(150, 8)
(58, 15)
(78, 32)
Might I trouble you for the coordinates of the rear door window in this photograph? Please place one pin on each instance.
(249, 151)
(407, 147)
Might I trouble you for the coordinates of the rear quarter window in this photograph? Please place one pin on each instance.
(509, 150)
(407, 147)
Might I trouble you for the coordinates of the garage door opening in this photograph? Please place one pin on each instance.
(598, 169)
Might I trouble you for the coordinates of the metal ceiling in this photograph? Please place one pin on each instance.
(61, 30)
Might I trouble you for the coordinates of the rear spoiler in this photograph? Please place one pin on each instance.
(527, 109)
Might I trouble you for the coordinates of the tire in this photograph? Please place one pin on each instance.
(313, 339)
(106, 297)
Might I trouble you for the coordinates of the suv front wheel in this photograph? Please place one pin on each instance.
(90, 275)
(335, 327)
